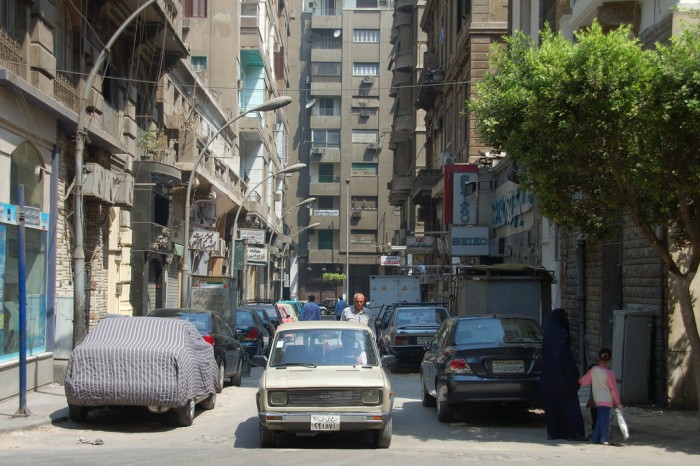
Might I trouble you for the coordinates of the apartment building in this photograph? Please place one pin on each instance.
(340, 124)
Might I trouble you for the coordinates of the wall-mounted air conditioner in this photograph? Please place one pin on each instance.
(124, 196)
(364, 113)
(371, 146)
(185, 23)
(368, 79)
(220, 249)
(316, 150)
(99, 182)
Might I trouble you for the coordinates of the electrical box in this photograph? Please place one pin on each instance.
(631, 354)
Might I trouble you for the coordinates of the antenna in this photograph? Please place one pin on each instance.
(337, 33)
(310, 103)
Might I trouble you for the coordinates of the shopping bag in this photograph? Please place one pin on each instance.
(622, 424)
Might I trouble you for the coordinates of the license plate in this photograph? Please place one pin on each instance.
(421, 340)
(325, 422)
(507, 367)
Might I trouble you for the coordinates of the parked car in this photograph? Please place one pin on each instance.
(269, 326)
(291, 310)
(482, 360)
(254, 337)
(297, 305)
(334, 384)
(217, 332)
(329, 304)
(162, 364)
(407, 328)
(271, 309)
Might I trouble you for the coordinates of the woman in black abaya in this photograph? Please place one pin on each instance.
(559, 381)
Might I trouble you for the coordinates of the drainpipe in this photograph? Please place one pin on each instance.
(581, 299)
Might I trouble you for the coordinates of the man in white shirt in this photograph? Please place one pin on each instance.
(356, 312)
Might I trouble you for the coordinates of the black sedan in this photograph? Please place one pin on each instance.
(482, 360)
(217, 332)
(254, 336)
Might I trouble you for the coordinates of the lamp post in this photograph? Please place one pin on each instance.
(347, 240)
(272, 104)
(284, 252)
(234, 230)
(299, 204)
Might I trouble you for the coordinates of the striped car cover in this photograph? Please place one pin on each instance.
(140, 361)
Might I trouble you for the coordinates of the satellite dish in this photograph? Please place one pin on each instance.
(337, 33)
(310, 103)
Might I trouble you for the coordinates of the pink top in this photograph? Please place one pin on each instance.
(603, 386)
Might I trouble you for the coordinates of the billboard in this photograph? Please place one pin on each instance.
(461, 182)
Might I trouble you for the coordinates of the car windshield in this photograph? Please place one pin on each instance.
(323, 347)
(491, 330)
(201, 321)
(420, 316)
(244, 319)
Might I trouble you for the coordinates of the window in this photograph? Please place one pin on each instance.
(365, 36)
(325, 202)
(366, 4)
(325, 239)
(364, 202)
(327, 106)
(325, 138)
(198, 64)
(365, 136)
(326, 69)
(326, 39)
(195, 8)
(365, 69)
(364, 169)
(325, 173)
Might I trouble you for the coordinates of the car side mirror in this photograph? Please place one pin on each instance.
(259, 360)
(388, 360)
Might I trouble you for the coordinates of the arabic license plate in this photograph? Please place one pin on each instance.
(421, 340)
(325, 422)
(507, 367)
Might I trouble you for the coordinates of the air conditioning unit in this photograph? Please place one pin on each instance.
(368, 79)
(356, 214)
(185, 23)
(293, 14)
(220, 249)
(382, 2)
(311, 37)
(379, 147)
(125, 190)
(312, 5)
(364, 113)
(99, 182)
(316, 150)
(371, 146)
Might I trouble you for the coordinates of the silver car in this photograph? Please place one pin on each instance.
(324, 377)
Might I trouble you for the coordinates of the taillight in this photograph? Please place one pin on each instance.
(401, 340)
(209, 339)
(252, 335)
(458, 366)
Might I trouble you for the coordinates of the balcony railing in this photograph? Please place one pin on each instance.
(64, 90)
(11, 54)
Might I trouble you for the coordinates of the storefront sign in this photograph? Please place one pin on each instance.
(253, 236)
(391, 261)
(257, 255)
(469, 241)
(204, 240)
(419, 242)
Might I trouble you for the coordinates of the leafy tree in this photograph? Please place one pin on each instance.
(601, 125)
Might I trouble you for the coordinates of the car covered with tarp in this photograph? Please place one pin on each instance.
(161, 364)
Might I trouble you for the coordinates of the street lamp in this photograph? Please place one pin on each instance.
(284, 253)
(299, 204)
(234, 230)
(272, 104)
(347, 240)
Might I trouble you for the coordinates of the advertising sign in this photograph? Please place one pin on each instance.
(204, 240)
(460, 206)
(469, 241)
(391, 261)
(419, 242)
(253, 236)
(256, 254)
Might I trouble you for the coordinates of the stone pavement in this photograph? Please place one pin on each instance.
(47, 405)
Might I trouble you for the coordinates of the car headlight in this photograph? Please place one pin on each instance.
(371, 397)
(278, 398)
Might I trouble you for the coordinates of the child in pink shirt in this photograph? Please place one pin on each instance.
(605, 395)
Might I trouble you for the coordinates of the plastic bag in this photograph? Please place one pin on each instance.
(622, 424)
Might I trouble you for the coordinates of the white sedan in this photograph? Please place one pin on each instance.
(324, 377)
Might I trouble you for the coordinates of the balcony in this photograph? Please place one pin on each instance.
(400, 189)
(324, 256)
(252, 127)
(324, 189)
(405, 6)
(423, 185)
(328, 218)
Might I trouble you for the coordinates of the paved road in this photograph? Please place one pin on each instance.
(229, 434)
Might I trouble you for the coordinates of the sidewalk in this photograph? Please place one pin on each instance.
(47, 405)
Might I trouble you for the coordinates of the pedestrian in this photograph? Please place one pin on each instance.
(356, 312)
(590, 404)
(605, 396)
(559, 381)
(311, 311)
(339, 308)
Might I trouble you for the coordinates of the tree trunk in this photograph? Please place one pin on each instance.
(685, 300)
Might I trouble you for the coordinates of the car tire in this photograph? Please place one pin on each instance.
(185, 414)
(426, 398)
(222, 377)
(394, 368)
(382, 437)
(267, 437)
(209, 402)
(444, 409)
(78, 413)
(236, 378)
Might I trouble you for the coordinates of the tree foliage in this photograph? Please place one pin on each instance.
(602, 125)
(332, 277)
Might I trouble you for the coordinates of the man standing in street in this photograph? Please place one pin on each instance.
(356, 312)
(311, 310)
(339, 308)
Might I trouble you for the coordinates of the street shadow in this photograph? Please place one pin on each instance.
(126, 419)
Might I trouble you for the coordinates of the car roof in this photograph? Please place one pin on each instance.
(176, 310)
(324, 325)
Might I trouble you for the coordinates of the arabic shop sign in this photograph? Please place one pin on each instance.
(204, 240)
(253, 236)
(256, 254)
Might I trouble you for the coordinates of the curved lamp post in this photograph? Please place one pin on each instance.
(234, 230)
(299, 204)
(272, 104)
(284, 253)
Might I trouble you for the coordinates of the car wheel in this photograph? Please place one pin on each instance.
(236, 378)
(426, 397)
(382, 437)
(78, 413)
(209, 402)
(222, 379)
(185, 414)
(444, 410)
(394, 368)
(267, 437)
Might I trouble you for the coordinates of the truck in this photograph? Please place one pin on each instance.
(505, 289)
(387, 289)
